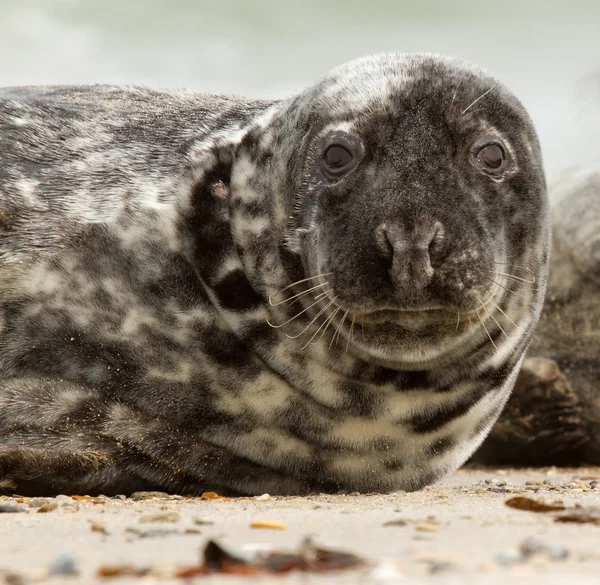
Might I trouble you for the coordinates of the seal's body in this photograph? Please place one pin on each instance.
(317, 293)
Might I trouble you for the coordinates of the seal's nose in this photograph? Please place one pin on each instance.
(410, 255)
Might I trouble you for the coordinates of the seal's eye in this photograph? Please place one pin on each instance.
(491, 157)
(337, 159)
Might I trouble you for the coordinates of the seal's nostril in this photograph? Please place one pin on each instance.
(384, 244)
(436, 244)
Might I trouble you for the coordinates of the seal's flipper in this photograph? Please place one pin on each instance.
(541, 423)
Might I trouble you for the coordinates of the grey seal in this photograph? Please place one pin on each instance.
(320, 293)
(553, 417)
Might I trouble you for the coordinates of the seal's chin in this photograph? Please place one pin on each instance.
(414, 338)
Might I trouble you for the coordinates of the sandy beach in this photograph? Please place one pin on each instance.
(459, 531)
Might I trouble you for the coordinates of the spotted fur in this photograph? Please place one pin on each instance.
(147, 238)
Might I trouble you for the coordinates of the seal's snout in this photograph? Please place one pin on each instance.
(410, 255)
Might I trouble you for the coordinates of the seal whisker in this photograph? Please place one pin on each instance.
(491, 316)
(510, 290)
(457, 319)
(513, 277)
(296, 295)
(527, 269)
(452, 102)
(351, 336)
(480, 97)
(491, 300)
(318, 299)
(485, 328)
(328, 320)
(296, 283)
(314, 318)
(338, 330)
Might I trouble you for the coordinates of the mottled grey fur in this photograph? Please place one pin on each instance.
(554, 415)
(149, 244)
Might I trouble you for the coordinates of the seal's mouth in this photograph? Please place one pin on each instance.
(429, 312)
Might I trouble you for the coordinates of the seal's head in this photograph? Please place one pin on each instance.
(412, 188)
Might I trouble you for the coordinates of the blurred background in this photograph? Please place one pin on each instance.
(547, 51)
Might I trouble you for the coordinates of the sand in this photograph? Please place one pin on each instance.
(457, 531)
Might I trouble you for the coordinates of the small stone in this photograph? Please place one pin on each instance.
(62, 499)
(148, 495)
(98, 527)
(262, 498)
(427, 527)
(436, 567)
(50, 507)
(268, 524)
(534, 546)
(160, 517)
(212, 496)
(158, 533)
(64, 564)
(11, 509)
(202, 521)
(38, 502)
(399, 522)
(508, 558)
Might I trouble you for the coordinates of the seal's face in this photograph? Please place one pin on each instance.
(411, 204)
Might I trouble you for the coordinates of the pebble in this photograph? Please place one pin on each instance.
(508, 558)
(436, 567)
(148, 495)
(268, 524)
(62, 499)
(98, 527)
(534, 546)
(154, 532)
(399, 522)
(262, 498)
(38, 502)
(64, 564)
(427, 527)
(161, 517)
(49, 507)
(11, 509)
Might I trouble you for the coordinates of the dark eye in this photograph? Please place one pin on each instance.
(492, 157)
(337, 159)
